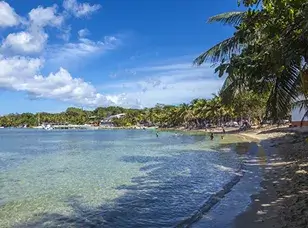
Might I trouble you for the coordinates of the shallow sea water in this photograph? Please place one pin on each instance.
(108, 178)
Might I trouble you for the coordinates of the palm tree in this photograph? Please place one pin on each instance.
(265, 54)
(224, 49)
(198, 106)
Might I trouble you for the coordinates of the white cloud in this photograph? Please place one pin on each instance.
(63, 86)
(176, 66)
(83, 33)
(17, 69)
(20, 71)
(8, 17)
(176, 93)
(66, 33)
(22, 74)
(83, 48)
(34, 39)
(167, 84)
(170, 87)
(41, 17)
(25, 42)
(80, 9)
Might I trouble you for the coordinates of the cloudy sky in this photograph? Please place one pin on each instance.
(135, 53)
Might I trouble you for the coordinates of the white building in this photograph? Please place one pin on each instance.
(297, 116)
(108, 122)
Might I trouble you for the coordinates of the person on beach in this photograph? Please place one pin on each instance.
(156, 134)
(224, 132)
(212, 136)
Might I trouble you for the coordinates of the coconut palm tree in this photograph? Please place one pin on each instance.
(267, 53)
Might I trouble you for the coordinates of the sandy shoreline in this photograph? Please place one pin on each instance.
(283, 202)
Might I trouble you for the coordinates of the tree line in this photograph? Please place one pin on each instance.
(72, 115)
(195, 114)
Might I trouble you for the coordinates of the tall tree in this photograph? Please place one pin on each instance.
(267, 54)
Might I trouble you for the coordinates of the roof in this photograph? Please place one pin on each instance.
(109, 118)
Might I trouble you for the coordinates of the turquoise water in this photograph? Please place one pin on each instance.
(111, 178)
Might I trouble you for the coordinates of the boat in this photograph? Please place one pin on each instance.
(38, 127)
(47, 127)
(90, 127)
(152, 128)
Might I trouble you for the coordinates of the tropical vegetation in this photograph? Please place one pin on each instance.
(196, 114)
(267, 54)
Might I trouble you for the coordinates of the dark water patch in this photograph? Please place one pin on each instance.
(242, 148)
(211, 202)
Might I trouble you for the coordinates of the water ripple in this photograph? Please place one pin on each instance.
(107, 178)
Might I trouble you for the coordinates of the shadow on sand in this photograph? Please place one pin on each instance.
(283, 202)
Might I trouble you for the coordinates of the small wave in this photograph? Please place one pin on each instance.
(212, 201)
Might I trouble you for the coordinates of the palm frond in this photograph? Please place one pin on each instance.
(229, 18)
(301, 104)
(284, 92)
(220, 51)
(233, 85)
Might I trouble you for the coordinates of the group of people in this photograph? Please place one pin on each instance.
(222, 136)
(211, 135)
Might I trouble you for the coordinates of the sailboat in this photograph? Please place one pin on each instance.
(47, 127)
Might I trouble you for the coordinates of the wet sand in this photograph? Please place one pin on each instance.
(283, 202)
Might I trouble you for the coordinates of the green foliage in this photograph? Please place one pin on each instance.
(196, 114)
(229, 18)
(72, 115)
(267, 54)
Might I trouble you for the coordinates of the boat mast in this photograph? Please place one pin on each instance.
(38, 119)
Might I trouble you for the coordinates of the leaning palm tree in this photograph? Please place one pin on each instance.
(263, 56)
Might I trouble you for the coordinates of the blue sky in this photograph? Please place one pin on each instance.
(135, 53)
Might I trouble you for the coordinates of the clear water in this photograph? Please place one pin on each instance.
(110, 178)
